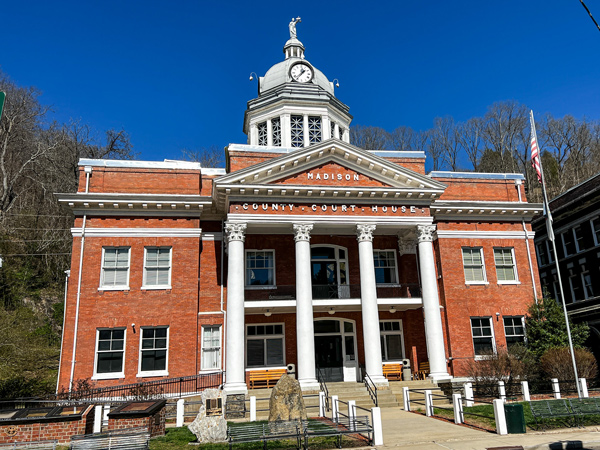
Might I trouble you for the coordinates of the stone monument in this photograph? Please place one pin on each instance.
(210, 425)
(286, 401)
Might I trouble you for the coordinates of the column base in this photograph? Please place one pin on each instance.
(309, 385)
(235, 388)
(438, 376)
(379, 380)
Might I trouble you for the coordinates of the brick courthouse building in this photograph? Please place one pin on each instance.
(306, 250)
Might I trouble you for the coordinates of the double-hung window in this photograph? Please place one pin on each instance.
(260, 268)
(579, 238)
(211, 347)
(264, 345)
(385, 266)
(110, 352)
(473, 265)
(514, 330)
(483, 337)
(596, 229)
(392, 345)
(506, 271)
(115, 268)
(568, 243)
(575, 285)
(157, 268)
(586, 280)
(153, 351)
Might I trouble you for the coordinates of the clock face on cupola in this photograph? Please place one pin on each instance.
(296, 104)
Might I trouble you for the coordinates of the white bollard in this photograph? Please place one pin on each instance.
(500, 417)
(469, 394)
(352, 414)
(321, 404)
(584, 388)
(377, 426)
(502, 391)
(556, 387)
(252, 408)
(428, 403)
(97, 418)
(525, 390)
(335, 414)
(180, 412)
(406, 398)
(458, 411)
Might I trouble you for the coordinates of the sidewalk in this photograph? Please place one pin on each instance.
(415, 432)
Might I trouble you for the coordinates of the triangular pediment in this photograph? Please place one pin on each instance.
(330, 173)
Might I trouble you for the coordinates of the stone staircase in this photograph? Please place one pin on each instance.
(418, 398)
(358, 392)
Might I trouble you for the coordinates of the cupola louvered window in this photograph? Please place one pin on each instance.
(262, 133)
(314, 129)
(276, 131)
(297, 128)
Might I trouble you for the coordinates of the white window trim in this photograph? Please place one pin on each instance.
(101, 287)
(522, 324)
(485, 280)
(156, 286)
(493, 337)
(249, 286)
(388, 333)
(153, 373)
(397, 283)
(514, 261)
(112, 375)
(264, 337)
(220, 348)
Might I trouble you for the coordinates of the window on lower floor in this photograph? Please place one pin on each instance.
(211, 347)
(385, 266)
(575, 285)
(110, 350)
(579, 238)
(556, 286)
(483, 338)
(153, 351)
(264, 345)
(473, 264)
(542, 254)
(392, 345)
(260, 268)
(115, 268)
(514, 330)
(568, 243)
(506, 270)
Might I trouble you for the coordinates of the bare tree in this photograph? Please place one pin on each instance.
(470, 136)
(369, 138)
(212, 156)
(444, 138)
(402, 139)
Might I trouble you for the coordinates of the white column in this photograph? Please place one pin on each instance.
(556, 388)
(180, 420)
(253, 136)
(269, 133)
(434, 335)
(325, 128)
(500, 416)
(336, 131)
(370, 313)
(306, 134)
(304, 310)
(525, 389)
(286, 130)
(235, 380)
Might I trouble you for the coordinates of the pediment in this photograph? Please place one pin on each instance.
(330, 173)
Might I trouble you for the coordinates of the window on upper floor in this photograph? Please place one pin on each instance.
(596, 229)
(314, 129)
(385, 266)
(586, 281)
(276, 131)
(568, 243)
(157, 268)
(262, 133)
(473, 265)
(115, 268)
(297, 129)
(392, 345)
(211, 347)
(483, 337)
(578, 238)
(110, 352)
(575, 285)
(514, 330)
(506, 270)
(265, 345)
(556, 286)
(153, 351)
(260, 267)
(542, 254)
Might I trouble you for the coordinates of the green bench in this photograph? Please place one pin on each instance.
(573, 410)
(264, 432)
(38, 445)
(125, 439)
(344, 425)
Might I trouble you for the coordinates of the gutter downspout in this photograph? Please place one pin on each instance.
(223, 346)
(62, 337)
(519, 184)
(88, 171)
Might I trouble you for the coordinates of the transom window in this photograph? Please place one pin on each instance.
(264, 345)
(392, 345)
(260, 268)
(473, 264)
(262, 133)
(514, 330)
(110, 351)
(314, 129)
(115, 267)
(276, 131)
(211, 347)
(505, 264)
(385, 266)
(483, 339)
(157, 267)
(297, 129)
(153, 351)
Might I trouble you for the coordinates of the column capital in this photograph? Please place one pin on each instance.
(364, 232)
(302, 231)
(407, 245)
(236, 231)
(425, 233)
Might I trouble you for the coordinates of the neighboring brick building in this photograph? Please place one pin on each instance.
(576, 223)
(305, 250)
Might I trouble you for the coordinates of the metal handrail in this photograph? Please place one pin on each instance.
(371, 388)
(323, 385)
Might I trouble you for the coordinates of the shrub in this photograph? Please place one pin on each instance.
(557, 363)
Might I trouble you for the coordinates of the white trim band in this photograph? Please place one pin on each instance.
(138, 232)
(451, 234)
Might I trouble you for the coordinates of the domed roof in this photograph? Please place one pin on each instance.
(280, 74)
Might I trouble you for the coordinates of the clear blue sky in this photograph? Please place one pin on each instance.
(174, 74)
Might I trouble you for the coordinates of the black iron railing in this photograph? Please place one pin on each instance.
(323, 385)
(371, 388)
(332, 291)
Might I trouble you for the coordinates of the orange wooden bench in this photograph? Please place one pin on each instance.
(264, 378)
(423, 371)
(392, 371)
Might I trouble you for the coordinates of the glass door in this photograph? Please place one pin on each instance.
(329, 272)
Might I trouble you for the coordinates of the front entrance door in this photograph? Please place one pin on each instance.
(329, 359)
(335, 349)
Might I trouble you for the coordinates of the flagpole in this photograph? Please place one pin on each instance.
(552, 239)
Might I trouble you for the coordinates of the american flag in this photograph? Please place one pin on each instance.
(535, 151)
